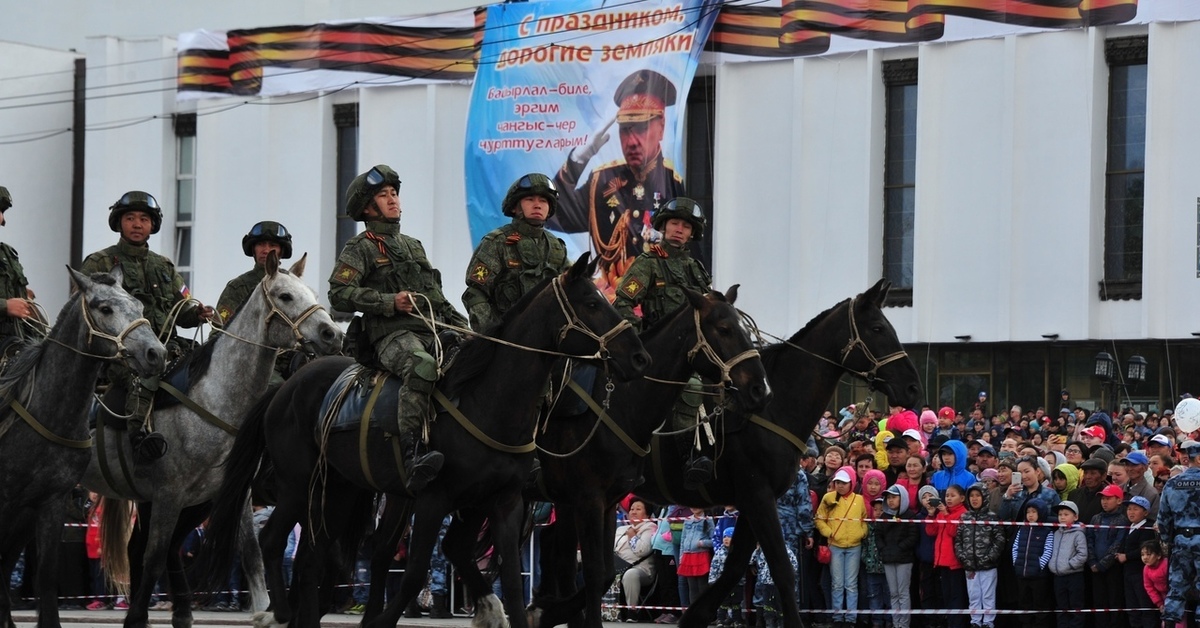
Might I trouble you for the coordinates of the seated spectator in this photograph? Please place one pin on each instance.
(632, 550)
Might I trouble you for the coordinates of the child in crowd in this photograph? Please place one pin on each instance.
(766, 595)
(1065, 478)
(1154, 576)
(1031, 551)
(928, 585)
(1067, 561)
(695, 553)
(729, 614)
(897, 549)
(978, 546)
(92, 541)
(1141, 529)
(950, 576)
(873, 483)
(841, 519)
(872, 562)
(1104, 538)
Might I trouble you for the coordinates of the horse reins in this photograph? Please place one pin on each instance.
(857, 341)
(283, 317)
(575, 323)
(118, 340)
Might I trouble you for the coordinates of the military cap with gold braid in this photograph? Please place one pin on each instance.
(643, 96)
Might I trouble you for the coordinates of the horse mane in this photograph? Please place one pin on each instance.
(663, 322)
(771, 353)
(198, 361)
(477, 353)
(32, 349)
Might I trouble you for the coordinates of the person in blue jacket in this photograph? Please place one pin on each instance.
(953, 454)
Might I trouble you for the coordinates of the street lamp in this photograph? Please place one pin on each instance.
(1106, 371)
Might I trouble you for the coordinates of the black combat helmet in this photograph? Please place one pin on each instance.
(268, 231)
(5, 199)
(135, 201)
(685, 209)
(532, 184)
(365, 186)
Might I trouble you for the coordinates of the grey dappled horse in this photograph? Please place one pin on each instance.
(52, 381)
(228, 374)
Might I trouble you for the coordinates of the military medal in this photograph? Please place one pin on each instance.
(639, 192)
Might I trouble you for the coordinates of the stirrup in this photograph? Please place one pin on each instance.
(148, 447)
(698, 472)
(423, 469)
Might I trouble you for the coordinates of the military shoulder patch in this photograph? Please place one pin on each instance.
(631, 287)
(345, 274)
(480, 273)
(225, 313)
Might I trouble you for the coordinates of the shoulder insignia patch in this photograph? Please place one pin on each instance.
(345, 274)
(631, 287)
(480, 273)
(225, 313)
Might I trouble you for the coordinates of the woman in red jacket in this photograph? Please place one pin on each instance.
(950, 575)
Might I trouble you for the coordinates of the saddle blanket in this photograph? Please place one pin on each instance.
(349, 395)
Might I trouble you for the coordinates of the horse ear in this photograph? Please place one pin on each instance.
(731, 293)
(118, 274)
(877, 292)
(582, 267)
(79, 281)
(297, 269)
(695, 298)
(272, 265)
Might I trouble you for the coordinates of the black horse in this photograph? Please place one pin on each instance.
(757, 455)
(488, 453)
(605, 464)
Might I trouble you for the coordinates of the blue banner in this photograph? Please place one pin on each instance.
(590, 93)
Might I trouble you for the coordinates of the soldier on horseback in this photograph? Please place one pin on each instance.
(263, 238)
(656, 281)
(516, 257)
(15, 295)
(151, 279)
(386, 275)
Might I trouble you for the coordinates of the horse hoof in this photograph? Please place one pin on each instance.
(489, 613)
(533, 617)
(265, 619)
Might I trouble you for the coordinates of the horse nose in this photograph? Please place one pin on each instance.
(332, 336)
(156, 359)
(760, 394)
(641, 360)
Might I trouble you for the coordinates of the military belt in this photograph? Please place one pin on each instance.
(1187, 532)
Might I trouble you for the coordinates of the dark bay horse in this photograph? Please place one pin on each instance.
(707, 337)
(44, 403)
(325, 486)
(227, 374)
(757, 456)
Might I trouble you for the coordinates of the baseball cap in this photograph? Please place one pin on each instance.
(1065, 411)
(1094, 431)
(894, 489)
(1161, 439)
(1168, 412)
(1140, 501)
(1070, 505)
(878, 499)
(1190, 447)
(913, 434)
(986, 449)
(1135, 457)
(896, 442)
(842, 476)
(1112, 490)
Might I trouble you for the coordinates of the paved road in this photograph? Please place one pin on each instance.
(109, 619)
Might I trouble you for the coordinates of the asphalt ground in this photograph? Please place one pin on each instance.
(108, 619)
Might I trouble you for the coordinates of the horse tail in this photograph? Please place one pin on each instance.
(221, 535)
(116, 525)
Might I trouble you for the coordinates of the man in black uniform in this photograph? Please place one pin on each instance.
(615, 204)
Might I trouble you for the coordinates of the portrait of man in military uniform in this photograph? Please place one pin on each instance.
(614, 205)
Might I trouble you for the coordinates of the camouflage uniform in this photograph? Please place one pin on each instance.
(371, 270)
(13, 284)
(509, 262)
(1179, 526)
(234, 297)
(151, 279)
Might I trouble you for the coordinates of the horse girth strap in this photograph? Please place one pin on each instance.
(197, 408)
(781, 432)
(46, 433)
(364, 428)
(607, 420)
(476, 432)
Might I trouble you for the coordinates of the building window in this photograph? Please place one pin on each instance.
(698, 153)
(899, 177)
(185, 192)
(345, 120)
(1125, 174)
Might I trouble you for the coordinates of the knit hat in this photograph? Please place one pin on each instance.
(1044, 465)
(728, 532)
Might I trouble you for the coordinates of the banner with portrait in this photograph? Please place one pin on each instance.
(592, 95)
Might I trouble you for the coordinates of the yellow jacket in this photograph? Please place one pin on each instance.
(842, 520)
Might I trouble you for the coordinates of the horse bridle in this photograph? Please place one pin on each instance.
(577, 324)
(856, 341)
(283, 317)
(702, 345)
(118, 340)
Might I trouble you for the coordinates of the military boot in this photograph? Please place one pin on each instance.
(420, 465)
(535, 474)
(698, 471)
(147, 446)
